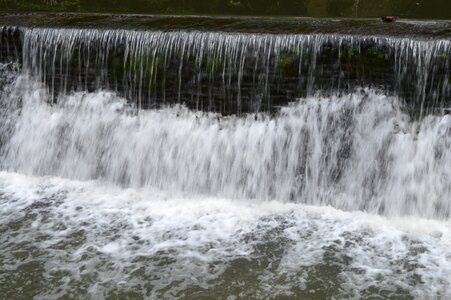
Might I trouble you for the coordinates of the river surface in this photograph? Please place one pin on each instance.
(72, 239)
(181, 162)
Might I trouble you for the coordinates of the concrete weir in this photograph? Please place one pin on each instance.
(221, 68)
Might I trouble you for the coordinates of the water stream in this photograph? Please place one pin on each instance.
(209, 164)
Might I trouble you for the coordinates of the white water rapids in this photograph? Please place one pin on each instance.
(332, 197)
(353, 152)
(94, 240)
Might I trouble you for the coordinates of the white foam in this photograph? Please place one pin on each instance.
(169, 244)
(353, 152)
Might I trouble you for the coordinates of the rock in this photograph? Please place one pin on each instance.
(436, 234)
(389, 19)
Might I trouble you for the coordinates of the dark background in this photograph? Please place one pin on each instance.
(417, 9)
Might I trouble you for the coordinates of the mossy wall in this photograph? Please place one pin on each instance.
(431, 9)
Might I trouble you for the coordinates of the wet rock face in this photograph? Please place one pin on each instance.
(10, 44)
(231, 73)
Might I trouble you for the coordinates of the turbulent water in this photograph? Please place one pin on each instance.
(341, 193)
(93, 240)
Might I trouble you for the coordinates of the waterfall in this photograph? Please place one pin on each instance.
(234, 73)
(357, 151)
(187, 163)
(346, 142)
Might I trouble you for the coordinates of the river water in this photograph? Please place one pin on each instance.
(338, 192)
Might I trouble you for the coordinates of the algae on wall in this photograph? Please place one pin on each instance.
(432, 9)
(40, 5)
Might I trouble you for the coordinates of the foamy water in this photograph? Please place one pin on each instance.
(332, 197)
(93, 239)
(357, 151)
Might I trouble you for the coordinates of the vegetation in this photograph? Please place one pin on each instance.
(315, 8)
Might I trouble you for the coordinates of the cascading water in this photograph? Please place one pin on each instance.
(236, 72)
(186, 164)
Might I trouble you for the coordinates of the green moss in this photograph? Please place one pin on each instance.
(441, 55)
(353, 53)
(288, 64)
(212, 64)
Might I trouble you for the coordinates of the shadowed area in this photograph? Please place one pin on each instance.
(432, 9)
